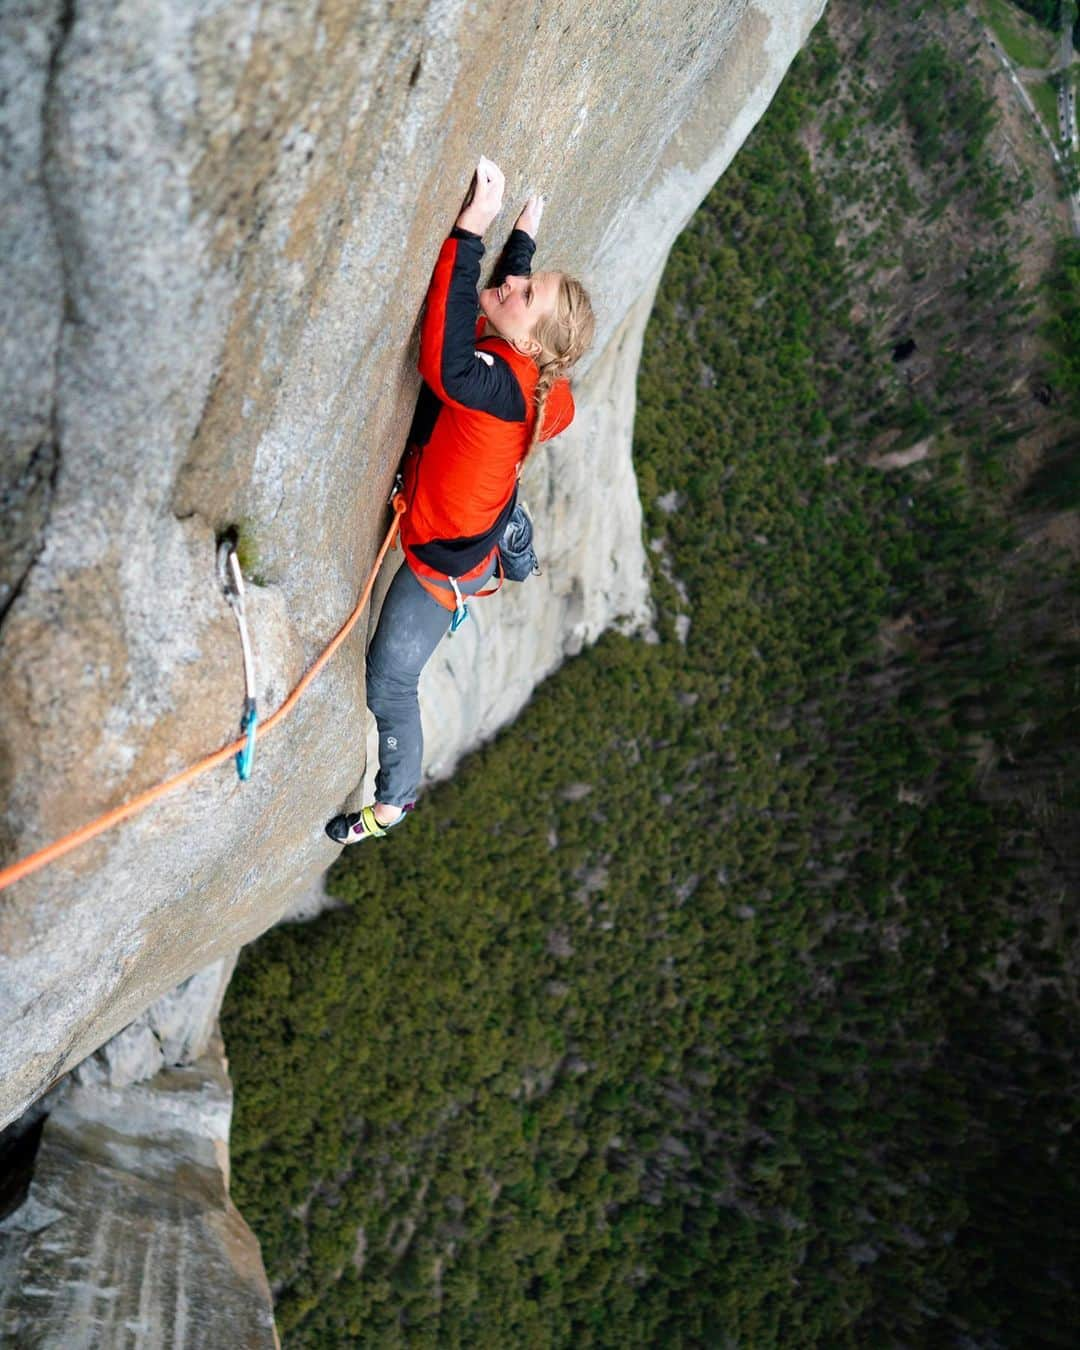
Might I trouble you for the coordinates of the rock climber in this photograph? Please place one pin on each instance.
(494, 387)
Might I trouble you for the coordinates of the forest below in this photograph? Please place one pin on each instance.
(729, 998)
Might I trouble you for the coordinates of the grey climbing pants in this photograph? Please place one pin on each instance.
(411, 625)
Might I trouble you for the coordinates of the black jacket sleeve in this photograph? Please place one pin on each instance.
(515, 259)
(449, 362)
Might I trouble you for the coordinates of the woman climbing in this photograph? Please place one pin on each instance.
(494, 386)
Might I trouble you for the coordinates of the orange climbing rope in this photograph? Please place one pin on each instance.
(35, 861)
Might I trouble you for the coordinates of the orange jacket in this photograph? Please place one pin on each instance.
(474, 419)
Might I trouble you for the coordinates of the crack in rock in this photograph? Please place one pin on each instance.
(26, 501)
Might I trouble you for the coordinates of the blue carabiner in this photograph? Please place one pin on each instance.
(246, 757)
(461, 613)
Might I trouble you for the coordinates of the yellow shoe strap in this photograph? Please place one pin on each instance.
(371, 824)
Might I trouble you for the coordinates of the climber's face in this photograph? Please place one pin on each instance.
(514, 308)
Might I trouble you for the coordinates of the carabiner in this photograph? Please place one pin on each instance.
(232, 583)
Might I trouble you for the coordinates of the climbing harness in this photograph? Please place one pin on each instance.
(459, 608)
(232, 583)
(35, 861)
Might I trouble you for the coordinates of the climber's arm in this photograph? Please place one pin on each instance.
(517, 255)
(515, 259)
(449, 361)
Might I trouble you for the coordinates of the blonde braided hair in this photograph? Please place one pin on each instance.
(563, 337)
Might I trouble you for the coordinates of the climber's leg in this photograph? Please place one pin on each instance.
(411, 625)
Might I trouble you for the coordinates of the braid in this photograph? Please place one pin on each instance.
(549, 373)
(563, 337)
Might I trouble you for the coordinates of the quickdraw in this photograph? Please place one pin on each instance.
(232, 583)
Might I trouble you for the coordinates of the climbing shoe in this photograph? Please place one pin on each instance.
(358, 825)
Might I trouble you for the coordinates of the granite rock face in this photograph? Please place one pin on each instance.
(175, 1030)
(219, 220)
(128, 1236)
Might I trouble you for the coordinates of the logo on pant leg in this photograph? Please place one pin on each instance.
(391, 742)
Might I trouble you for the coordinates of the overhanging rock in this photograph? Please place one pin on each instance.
(128, 1235)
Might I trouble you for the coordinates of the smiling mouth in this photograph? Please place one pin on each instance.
(499, 294)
